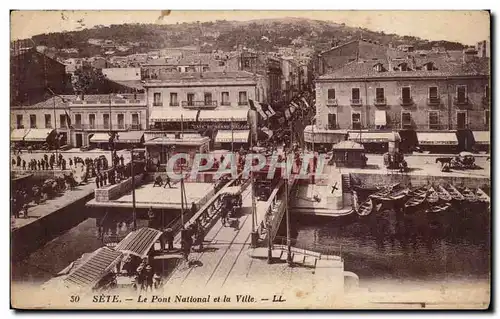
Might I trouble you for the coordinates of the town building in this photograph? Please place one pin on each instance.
(207, 104)
(483, 49)
(435, 100)
(32, 74)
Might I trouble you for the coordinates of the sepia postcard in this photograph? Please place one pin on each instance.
(250, 160)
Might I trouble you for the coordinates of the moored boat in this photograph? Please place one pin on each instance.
(482, 196)
(383, 194)
(417, 197)
(366, 208)
(399, 194)
(469, 195)
(443, 194)
(455, 194)
(432, 196)
(438, 208)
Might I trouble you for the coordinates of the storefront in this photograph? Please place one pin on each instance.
(226, 138)
(17, 135)
(438, 142)
(482, 141)
(129, 139)
(37, 137)
(99, 140)
(374, 142)
(172, 120)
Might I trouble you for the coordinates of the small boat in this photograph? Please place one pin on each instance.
(482, 196)
(455, 194)
(438, 208)
(432, 196)
(469, 195)
(366, 208)
(399, 194)
(383, 194)
(417, 197)
(443, 194)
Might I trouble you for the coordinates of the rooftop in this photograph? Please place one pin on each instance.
(203, 77)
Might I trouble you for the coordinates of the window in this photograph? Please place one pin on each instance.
(19, 121)
(429, 66)
(48, 123)
(356, 121)
(105, 121)
(379, 95)
(406, 119)
(246, 64)
(378, 67)
(222, 63)
(208, 98)
(406, 95)
(225, 98)
(121, 121)
(190, 99)
(462, 94)
(433, 92)
(434, 120)
(461, 120)
(135, 121)
(92, 121)
(331, 94)
(32, 121)
(173, 99)
(78, 120)
(62, 121)
(332, 121)
(487, 119)
(205, 69)
(355, 96)
(157, 99)
(243, 98)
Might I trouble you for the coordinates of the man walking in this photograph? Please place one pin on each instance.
(167, 182)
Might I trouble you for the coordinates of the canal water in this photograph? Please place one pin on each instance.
(379, 247)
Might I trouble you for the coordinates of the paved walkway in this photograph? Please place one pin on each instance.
(49, 206)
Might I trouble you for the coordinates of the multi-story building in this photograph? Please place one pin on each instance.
(269, 68)
(431, 99)
(483, 49)
(213, 103)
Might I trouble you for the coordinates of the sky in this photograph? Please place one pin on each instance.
(467, 27)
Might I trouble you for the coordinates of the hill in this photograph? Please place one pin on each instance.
(259, 34)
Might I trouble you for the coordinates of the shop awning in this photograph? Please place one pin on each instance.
(18, 134)
(139, 242)
(173, 115)
(380, 117)
(481, 137)
(92, 270)
(223, 115)
(38, 134)
(437, 138)
(130, 137)
(240, 136)
(100, 138)
(373, 137)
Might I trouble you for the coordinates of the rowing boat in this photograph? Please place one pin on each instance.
(399, 194)
(469, 195)
(443, 194)
(417, 197)
(432, 196)
(455, 194)
(438, 208)
(482, 196)
(383, 194)
(366, 208)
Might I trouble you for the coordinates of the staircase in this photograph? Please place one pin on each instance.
(346, 182)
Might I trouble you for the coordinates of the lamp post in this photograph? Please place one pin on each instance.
(133, 186)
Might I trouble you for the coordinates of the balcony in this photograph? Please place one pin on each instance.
(157, 104)
(332, 102)
(433, 101)
(174, 104)
(380, 101)
(462, 101)
(406, 101)
(102, 127)
(243, 103)
(104, 100)
(199, 104)
(356, 102)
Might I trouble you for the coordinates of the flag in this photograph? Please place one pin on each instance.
(256, 106)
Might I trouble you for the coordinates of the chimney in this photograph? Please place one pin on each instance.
(469, 55)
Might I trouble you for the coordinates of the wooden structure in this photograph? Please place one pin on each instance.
(349, 154)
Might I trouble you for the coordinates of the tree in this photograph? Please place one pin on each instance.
(89, 80)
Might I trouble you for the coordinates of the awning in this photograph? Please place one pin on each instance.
(437, 138)
(224, 136)
(257, 106)
(139, 242)
(100, 138)
(89, 272)
(481, 137)
(38, 134)
(130, 137)
(380, 117)
(223, 115)
(173, 115)
(373, 137)
(18, 134)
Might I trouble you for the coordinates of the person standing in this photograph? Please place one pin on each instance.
(151, 217)
(167, 182)
(18, 160)
(105, 178)
(39, 165)
(24, 165)
(169, 238)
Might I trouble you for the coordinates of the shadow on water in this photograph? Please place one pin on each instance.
(393, 245)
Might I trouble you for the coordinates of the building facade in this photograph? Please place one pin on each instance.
(421, 93)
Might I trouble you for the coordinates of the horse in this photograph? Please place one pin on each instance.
(444, 160)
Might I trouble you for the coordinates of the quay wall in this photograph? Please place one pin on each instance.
(26, 239)
(110, 192)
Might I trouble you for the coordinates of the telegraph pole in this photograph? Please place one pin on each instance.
(287, 211)
(254, 235)
(133, 186)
